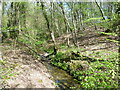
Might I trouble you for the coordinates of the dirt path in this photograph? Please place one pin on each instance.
(30, 73)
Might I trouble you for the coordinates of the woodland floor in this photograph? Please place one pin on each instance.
(33, 74)
(29, 73)
(90, 41)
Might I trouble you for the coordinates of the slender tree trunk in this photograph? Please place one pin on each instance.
(49, 29)
(0, 20)
(0, 28)
(24, 14)
(52, 24)
(67, 25)
(57, 27)
(100, 9)
(75, 26)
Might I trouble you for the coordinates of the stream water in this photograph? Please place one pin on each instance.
(61, 78)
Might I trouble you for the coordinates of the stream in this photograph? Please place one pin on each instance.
(61, 78)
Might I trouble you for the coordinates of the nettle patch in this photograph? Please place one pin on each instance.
(89, 72)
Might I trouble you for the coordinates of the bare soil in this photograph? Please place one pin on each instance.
(90, 40)
(30, 73)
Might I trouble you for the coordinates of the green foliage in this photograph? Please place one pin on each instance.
(113, 40)
(23, 40)
(105, 55)
(6, 71)
(2, 62)
(59, 56)
(93, 19)
(100, 74)
(49, 50)
(105, 24)
(111, 34)
(63, 46)
(39, 42)
(35, 32)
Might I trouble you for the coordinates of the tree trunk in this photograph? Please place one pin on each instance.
(100, 9)
(67, 25)
(49, 29)
(0, 20)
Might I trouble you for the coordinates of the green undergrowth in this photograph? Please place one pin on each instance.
(89, 72)
(6, 72)
(110, 34)
(103, 54)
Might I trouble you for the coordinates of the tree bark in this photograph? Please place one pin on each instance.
(0, 20)
(67, 26)
(100, 9)
(48, 26)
